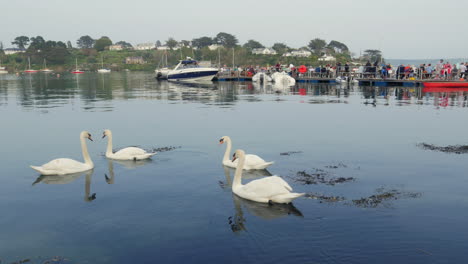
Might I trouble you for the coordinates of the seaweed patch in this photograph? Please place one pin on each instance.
(382, 198)
(456, 149)
(319, 176)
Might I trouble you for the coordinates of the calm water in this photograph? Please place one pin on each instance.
(179, 208)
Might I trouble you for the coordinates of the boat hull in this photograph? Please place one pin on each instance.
(445, 84)
(104, 71)
(444, 89)
(192, 75)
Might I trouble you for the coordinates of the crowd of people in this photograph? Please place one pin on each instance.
(440, 71)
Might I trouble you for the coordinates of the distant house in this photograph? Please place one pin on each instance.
(145, 46)
(298, 53)
(264, 51)
(134, 60)
(214, 46)
(327, 57)
(9, 51)
(116, 47)
(167, 48)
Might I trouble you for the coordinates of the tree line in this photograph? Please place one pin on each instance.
(58, 52)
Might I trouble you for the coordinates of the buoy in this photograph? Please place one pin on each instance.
(302, 69)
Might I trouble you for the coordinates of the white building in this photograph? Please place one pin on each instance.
(264, 51)
(167, 48)
(9, 51)
(145, 46)
(115, 47)
(327, 57)
(298, 53)
(214, 46)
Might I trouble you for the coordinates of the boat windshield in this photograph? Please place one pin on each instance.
(189, 64)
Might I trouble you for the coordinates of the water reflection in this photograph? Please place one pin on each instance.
(263, 211)
(99, 92)
(68, 178)
(129, 164)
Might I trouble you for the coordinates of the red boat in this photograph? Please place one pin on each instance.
(446, 84)
(444, 89)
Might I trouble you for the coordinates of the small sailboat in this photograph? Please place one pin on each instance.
(103, 70)
(46, 70)
(77, 71)
(29, 70)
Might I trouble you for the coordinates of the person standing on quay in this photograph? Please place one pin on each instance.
(440, 69)
(462, 70)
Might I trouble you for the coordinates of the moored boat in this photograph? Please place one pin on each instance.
(77, 71)
(446, 84)
(444, 89)
(189, 70)
(29, 70)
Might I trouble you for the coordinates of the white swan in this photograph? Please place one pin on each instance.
(64, 166)
(266, 190)
(253, 162)
(130, 153)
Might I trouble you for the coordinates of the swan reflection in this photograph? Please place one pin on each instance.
(129, 164)
(264, 211)
(65, 179)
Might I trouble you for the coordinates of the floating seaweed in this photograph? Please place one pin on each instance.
(319, 176)
(456, 149)
(324, 198)
(164, 149)
(289, 153)
(382, 197)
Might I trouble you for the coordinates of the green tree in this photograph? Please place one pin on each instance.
(373, 55)
(69, 45)
(124, 44)
(253, 44)
(202, 42)
(338, 46)
(317, 45)
(158, 43)
(85, 42)
(281, 48)
(102, 43)
(21, 42)
(226, 39)
(171, 43)
(37, 43)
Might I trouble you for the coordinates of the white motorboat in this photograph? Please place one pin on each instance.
(189, 70)
(161, 74)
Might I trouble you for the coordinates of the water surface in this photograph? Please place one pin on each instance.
(179, 208)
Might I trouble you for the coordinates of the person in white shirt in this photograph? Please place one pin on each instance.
(462, 70)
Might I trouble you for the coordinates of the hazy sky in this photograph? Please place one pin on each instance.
(414, 29)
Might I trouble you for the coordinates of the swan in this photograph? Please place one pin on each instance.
(130, 153)
(64, 166)
(253, 162)
(265, 190)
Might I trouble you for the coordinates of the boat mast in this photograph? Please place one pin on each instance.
(233, 65)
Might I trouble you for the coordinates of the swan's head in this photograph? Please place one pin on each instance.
(238, 154)
(106, 132)
(223, 139)
(86, 134)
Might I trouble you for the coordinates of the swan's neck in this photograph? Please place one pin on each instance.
(109, 144)
(228, 149)
(238, 174)
(84, 149)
